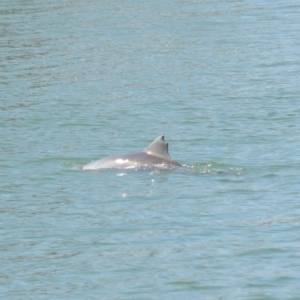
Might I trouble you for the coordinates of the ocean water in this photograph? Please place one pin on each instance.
(81, 80)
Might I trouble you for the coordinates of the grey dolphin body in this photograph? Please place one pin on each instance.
(155, 155)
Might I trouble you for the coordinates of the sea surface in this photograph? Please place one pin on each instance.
(81, 80)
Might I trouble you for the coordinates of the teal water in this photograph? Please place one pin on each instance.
(81, 80)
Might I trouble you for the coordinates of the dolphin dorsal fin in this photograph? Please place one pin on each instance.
(159, 147)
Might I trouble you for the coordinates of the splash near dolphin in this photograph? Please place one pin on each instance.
(156, 155)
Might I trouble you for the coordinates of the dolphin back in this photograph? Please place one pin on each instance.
(156, 155)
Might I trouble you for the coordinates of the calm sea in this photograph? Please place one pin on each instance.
(80, 80)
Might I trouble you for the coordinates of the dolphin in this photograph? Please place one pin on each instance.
(156, 155)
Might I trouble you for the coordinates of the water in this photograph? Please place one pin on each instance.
(81, 80)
